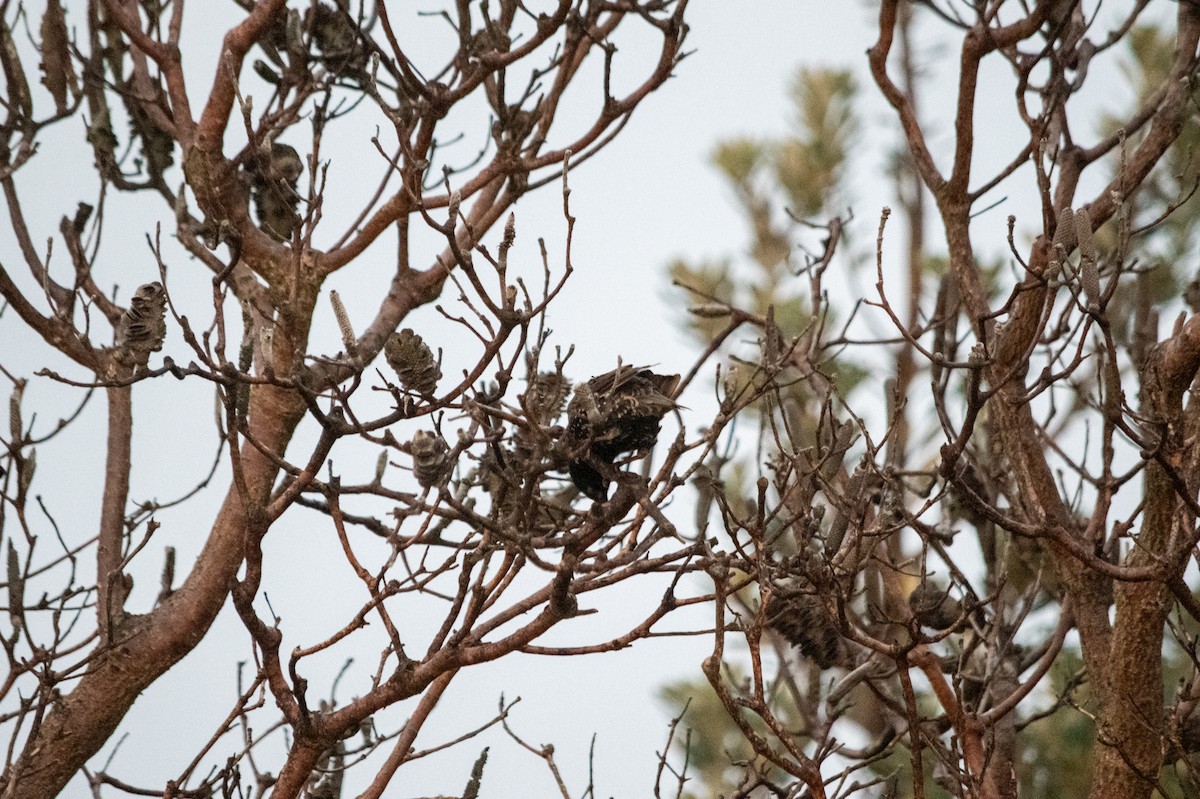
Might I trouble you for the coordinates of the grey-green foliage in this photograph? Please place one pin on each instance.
(717, 751)
(1175, 178)
(810, 163)
(1166, 246)
(776, 183)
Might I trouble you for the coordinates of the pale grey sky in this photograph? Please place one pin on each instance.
(649, 197)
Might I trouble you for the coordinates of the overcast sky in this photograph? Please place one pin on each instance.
(651, 196)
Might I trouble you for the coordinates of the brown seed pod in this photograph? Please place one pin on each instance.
(804, 622)
(431, 459)
(1189, 734)
(16, 426)
(933, 606)
(545, 396)
(338, 43)
(273, 188)
(413, 362)
(58, 73)
(142, 329)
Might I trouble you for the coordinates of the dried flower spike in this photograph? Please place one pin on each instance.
(349, 340)
(1089, 275)
(413, 362)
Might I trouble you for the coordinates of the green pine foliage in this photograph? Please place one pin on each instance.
(779, 183)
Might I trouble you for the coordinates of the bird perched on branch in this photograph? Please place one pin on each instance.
(613, 413)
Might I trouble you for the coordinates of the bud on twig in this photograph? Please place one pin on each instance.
(709, 310)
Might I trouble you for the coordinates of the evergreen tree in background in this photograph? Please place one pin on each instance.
(972, 609)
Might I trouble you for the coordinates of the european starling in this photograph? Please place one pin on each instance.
(616, 412)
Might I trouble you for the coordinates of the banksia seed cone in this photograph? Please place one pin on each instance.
(431, 459)
(804, 622)
(1189, 734)
(543, 401)
(933, 607)
(545, 396)
(337, 40)
(274, 191)
(142, 329)
(413, 362)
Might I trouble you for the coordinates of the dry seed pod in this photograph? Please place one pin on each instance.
(933, 606)
(16, 588)
(274, 191)
(265, 72)
(25, 470)
(142, 329)
(804, 622)
(431, 459)
(1189, 734)
(413, 362)
(545, 396)
(58, 74)
(16, 427)
(1089, 275)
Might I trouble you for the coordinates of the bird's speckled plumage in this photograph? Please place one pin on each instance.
(613, 413)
